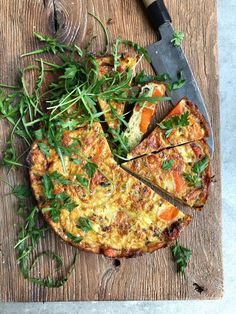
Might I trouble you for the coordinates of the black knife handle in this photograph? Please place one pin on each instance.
(157, 12)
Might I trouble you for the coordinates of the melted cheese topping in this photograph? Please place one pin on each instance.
(125, 214)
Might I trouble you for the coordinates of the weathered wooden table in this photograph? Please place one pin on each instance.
(150, 277)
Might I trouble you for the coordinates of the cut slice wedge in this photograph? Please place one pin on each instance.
(184, 124)
(114, 109)
(184, 172)
(143, 114)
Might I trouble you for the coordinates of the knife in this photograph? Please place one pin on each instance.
(165, 58)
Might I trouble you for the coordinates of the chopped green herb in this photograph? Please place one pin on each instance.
(83, 182)
(76, 161)
(115, 53)
(85, 224)
(39, 134)
(181, 256)
(142, 78)
(44, 149)
(140, 50)
(193, 180)
(179, 83)
(21, 191)
(177, 39)
(69, 205)
(167, 164)
(200, 165)
(58, 178)
(176, 121)
(75, 239)
(90, 168)
(48, 186)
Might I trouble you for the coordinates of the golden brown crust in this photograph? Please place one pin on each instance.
(195, 111)
(171, 234)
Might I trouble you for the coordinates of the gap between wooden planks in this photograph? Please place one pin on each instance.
(151, 277)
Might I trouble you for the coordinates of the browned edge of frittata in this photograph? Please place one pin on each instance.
(171, 234)
(195, 111)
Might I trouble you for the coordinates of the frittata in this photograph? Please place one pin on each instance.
(93, 204)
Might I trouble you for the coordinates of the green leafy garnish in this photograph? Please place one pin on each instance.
(58, 178)
(200, 165)
(90, 168)
(167, 164)
(48, 186)
(177, 39)
(82, 181)
(21, 191)
(174, 122)
(75, 239)
(198, 168)
(179, 83)
(85, 224)
(104, 30)
(44, 149)
(116, 54)
(140, 50)
(193, 180)
(142, 78)
(181, 256)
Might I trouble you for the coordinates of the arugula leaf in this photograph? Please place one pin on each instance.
(104, 30)
(142, 78)
(76, 161)
(53, 46)
(39, 134)
(140, 50)
(75, 239)
(168, 132)
(21, 191)
(167, 164)
(115, 53)
(176, 121)
(69, 205)
(201, 165)
(48, 186)
(177, 39)
(85, 224)
(58, 178)
(70, 72)
(45, 149)
(181, 256)
(83, 182)
(179, 83)
(90, 169)
(194, 181)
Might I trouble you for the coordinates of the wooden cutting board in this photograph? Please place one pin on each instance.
(151, 277)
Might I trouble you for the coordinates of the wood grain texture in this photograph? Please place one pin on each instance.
(150, 277)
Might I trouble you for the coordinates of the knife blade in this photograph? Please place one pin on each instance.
(165, 58)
